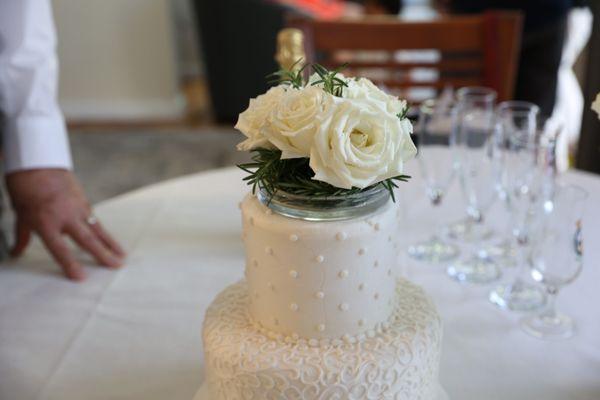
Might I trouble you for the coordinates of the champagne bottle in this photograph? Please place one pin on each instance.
(290, 49)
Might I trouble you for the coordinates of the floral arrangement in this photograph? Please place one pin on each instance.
(596, 105)
(326, 136)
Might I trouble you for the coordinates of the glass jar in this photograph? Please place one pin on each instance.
(326, 208)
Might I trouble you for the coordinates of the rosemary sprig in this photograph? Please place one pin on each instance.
(269, 172)
(331, 83)
(403, 114)
(289, 76)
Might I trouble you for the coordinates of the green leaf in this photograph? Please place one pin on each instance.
(270, 173)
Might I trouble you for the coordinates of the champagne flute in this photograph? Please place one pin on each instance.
(476, 105)
(433, 132)
(556, 258)
(475, 153)
(520, 181)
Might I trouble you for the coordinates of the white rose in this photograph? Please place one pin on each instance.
(251, 121)
(292, 123)
(596, 105)
(358, 144)
(363, 88)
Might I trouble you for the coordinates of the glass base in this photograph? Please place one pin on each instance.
(504, 253)
(466, 230)
(551, 327)
(477, 269)
(433, 250)
(518, 296)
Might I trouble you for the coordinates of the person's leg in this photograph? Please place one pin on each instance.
(541, 52)
(4, 251)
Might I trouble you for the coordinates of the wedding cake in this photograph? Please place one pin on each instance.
(322, 312)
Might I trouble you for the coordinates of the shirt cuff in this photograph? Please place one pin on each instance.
(36, 142)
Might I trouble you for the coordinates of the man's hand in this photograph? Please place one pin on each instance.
(51, 203)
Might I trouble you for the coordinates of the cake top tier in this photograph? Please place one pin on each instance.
(318, 280)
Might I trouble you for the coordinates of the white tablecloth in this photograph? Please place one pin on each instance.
(135, 333)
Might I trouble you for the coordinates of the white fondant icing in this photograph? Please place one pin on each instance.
(397, 361)
(325, 260)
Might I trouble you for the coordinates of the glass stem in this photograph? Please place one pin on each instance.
(439, 226)
(522, 268)
(549, 313)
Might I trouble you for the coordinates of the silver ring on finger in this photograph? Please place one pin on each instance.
(91, 220)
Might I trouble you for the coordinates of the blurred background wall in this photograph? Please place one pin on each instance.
(118, 60)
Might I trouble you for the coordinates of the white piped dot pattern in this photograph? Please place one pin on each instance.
(279, 268)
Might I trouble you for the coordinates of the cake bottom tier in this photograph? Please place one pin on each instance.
(401, 362)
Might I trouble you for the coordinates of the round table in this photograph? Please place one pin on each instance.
(136, 333)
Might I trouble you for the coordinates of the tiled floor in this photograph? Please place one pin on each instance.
(111, 163)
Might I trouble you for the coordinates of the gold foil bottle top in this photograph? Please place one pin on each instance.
(290, 49)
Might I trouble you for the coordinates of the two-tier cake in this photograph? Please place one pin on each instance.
(321, 315)
(322, 312)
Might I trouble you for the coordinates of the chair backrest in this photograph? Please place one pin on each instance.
(418, 59)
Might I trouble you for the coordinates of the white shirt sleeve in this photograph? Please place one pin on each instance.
(34, 133)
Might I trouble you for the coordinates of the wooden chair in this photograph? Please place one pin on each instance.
(478, 50)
